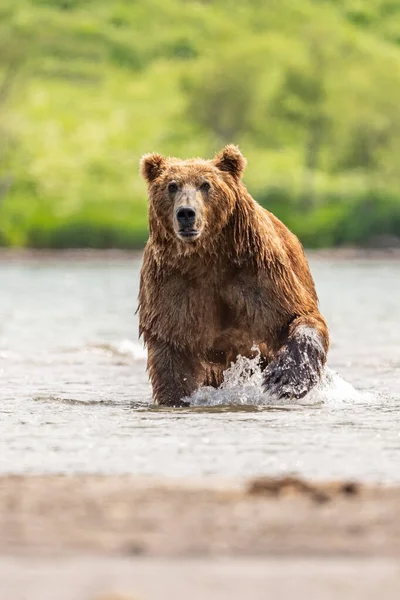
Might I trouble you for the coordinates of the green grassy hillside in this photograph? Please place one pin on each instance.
(310, 90)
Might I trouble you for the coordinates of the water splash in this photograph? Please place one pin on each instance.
(243, 386)
(124, 348)
(133, 349)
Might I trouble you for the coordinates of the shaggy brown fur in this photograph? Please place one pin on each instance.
(220, 279)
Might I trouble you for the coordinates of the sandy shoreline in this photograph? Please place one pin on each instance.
(110, 578)
(16, 255)
(128, 516)
(87, 537)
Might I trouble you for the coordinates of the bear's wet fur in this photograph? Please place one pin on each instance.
(220, 276)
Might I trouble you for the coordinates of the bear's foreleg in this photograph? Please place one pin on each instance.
(297, 366)
(173, 373)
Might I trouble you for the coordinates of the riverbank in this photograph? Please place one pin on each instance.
(129, 516)
(111, 578)
(126, 538)
(13, 255)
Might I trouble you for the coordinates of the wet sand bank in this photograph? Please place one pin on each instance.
(128, 516)
(127, 538)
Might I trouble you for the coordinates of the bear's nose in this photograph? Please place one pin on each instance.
(186, 215)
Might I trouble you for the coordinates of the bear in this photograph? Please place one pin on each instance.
(222, 276)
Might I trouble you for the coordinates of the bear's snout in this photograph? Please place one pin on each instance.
(188, 213)
(186, 216)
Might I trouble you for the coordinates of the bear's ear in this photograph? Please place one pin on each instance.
(151, 166)
(230, 160)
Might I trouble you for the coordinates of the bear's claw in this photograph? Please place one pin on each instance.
(295, 370)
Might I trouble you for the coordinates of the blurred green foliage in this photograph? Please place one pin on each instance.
(309, 89)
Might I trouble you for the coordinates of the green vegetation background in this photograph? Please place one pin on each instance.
(310, 90)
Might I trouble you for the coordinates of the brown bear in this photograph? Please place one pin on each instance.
(220, 276)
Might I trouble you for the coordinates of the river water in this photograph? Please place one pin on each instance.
(74, 394)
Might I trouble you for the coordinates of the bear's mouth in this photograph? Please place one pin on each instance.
(189, 233)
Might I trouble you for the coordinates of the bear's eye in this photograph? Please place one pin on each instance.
(172, 187)
(205, 186)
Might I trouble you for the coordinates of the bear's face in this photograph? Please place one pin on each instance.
(192, 200)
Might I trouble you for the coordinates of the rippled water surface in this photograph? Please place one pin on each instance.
(74, 395)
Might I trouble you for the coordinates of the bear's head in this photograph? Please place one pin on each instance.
(192, 200)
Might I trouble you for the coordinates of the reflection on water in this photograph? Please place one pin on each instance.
(75, 396)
